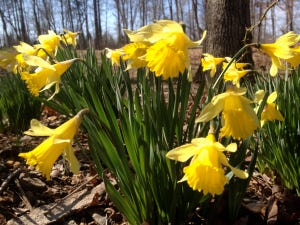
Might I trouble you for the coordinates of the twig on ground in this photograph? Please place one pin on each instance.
(74, 191)
(8, 179)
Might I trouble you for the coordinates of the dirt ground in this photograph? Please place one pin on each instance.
(28, 198)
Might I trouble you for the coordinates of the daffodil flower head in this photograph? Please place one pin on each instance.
(295, 60)
(50, 42)
(168, 54)
(280, 49)
(209, 62)
(45, 78)
(69, 38)
(8, 60)
(114, 55)
(270, 111)
(235, 72)
(26, 48)
(59, 142)
(238, 117)
(207, 162)
(134, 53)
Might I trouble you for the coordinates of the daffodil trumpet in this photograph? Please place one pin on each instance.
(207, 162)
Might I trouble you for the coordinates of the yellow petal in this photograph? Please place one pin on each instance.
(210, 111)
(239, 173)
(232, 147)
(272, 97)
(72, 160)
(38, 129)
(259, 95)
(182, 153)
(37, 61)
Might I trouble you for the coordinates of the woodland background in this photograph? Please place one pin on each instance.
(101, 21)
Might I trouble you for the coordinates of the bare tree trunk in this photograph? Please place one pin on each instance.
(177, 10)
(24, 34)
(7, 39)
(16, 21)
(289, 14)
(142, 14)
(96, 25)
(171, 9)
(163, 9)
(87, 30)
(35, 15)
(195, 12)
(273, 22)
(226, 22)
(70, 15)
(62, 13)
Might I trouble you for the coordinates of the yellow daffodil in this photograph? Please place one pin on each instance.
(235, 72)
(26, 48)
(270, 111)
(209, 62)
(59, 142)
(114, 55)
(134, 53)
(280, 49)
(168, 54)
(295, 60)
(49, 42)
(239, 118)
(69, 38)
(8, 60)
(45, 78)
(205, 171)
(166, 61)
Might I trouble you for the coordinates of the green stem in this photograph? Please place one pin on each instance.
(231, 61)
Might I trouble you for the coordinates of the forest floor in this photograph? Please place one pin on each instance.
(28, 198)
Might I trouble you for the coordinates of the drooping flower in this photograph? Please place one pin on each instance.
(168, 54)
(209, 62)
(59, 142)
(205, 171)
(270, 111)
(235, 72)
(280, 49)
(45, 78)
(238, 117)
(69, 38)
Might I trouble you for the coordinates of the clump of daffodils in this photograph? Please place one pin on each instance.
(34, 63)
(162, 47)
(59, 142)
